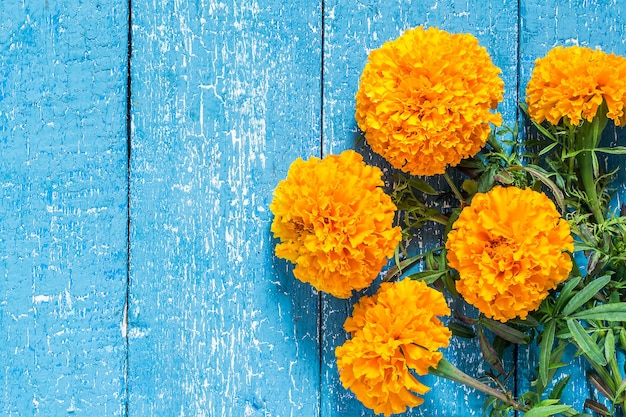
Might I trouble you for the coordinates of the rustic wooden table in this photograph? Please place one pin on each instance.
(138, 155)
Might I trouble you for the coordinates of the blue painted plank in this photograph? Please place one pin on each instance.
(63, 207)
(224, 96)
(350, 32)
(544, 25)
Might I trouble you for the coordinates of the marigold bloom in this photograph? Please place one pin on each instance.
(334, 222)
(395, 334)
(572, 82)
(425, 100)
(509, 249)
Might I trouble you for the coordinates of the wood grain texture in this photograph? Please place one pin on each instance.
(595, 24)
(225, 96)
(63, 216)
(350, 32)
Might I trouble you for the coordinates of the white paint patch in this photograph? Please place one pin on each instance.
(124, 323)
(38, 299)
(137, 333)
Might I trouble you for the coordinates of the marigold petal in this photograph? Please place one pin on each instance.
(571, 83)
(425, 99)
(395, 334)
(334, 222)
(509, 247)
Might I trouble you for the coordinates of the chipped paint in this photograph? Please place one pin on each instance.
(225, 94)
(63, 194)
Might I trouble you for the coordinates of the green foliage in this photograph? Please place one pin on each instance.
(587, 312)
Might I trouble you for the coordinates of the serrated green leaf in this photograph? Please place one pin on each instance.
(613, 312)
(585, 342)
(545, 351)
(585, 294)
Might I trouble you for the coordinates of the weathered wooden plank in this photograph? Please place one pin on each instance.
(63, 207)
(544, 25)
(225, 95)
(350, 32)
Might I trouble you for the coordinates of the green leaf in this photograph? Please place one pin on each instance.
(621, 388)
(547, 148)
(565, 294)
(461, 330)
(547, 410)
(597, 407)
(470, 186)
(595, 165)
(585, 342)
(423, 186)
(545, 350)
(617, 150)
(585, 294)
(544, 131)
(622, 338)
(542, 176)
(454, 216)
(557, 391)
(427, 276)
(613, 312)
(609, 346)
(489, 353)
(600, 384)
(506, 332)
(450, 284)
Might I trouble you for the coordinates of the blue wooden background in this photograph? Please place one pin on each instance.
(138, 155)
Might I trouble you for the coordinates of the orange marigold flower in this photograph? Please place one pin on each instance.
(425, 99)
(509, 249)
(395, 335)
(334, 222)
(571, 83)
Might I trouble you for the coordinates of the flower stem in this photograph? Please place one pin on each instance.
(587, 140)
(446, 370)
(585, 168)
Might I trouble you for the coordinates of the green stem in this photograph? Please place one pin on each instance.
(446, 370)
(588, 138)
(585, 168)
